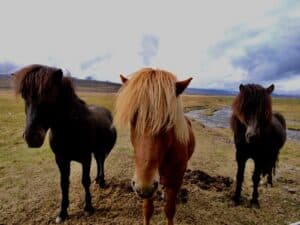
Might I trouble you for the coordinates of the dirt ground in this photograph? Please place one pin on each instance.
(36, 199)
(30, 192)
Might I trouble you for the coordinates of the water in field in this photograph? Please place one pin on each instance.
(220, 118)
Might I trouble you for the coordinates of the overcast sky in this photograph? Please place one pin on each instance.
(219, 43)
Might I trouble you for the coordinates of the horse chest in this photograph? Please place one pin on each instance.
(71, 141)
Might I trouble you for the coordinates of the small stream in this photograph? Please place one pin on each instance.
(220, 119)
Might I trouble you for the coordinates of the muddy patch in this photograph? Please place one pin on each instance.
(207, 182)
(191, 178)
(121, 186)
(124, 187)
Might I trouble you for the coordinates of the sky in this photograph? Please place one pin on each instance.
(219, 43)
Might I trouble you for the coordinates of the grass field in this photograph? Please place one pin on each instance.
(29, 178)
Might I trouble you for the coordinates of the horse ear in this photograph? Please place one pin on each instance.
(182, 85)
(270, 89)
(242, 87)
(123, 79)
(57, 75)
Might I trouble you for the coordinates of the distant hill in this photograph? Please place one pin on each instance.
(202, 91)
(80, 84)
(107, 86)
(93, 85)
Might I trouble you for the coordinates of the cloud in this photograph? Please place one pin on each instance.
(265, 53)
(8, 67)
(150, 46)
(220, 46)
(89, 63)
(288, 86)
(275, 59)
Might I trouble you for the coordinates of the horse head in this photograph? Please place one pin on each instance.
(254, 109)
(39, 87)
(150, 102)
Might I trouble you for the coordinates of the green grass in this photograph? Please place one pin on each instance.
(29, 178)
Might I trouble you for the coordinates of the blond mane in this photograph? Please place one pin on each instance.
(149, 104)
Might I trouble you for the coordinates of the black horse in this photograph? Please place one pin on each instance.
(76, 129)
(258, 134)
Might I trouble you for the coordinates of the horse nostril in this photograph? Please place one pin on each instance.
(249, 136)
(133, 185)
(155, 185)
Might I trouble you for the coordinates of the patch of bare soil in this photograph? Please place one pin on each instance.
(207, 182)
(115, 204)
(118, 204)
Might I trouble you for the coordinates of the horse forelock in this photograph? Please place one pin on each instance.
(253, 99)
(148, 102)
(33, 81)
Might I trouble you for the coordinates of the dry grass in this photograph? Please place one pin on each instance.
(29, 179)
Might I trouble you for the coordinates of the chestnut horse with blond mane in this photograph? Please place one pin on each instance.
(161, 135)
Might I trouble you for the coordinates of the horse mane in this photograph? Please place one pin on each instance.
(252, 95)
(35, 80)
(149, 102)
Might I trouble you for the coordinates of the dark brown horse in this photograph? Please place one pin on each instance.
(258, 134)
(76, 129)
(161, 135)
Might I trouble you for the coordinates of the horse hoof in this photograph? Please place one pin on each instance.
(235, 201)
(102, 184)
(61, 217)
(58, 219)
(268, 185)
(232, 204)
(88, 213)
(254, 205)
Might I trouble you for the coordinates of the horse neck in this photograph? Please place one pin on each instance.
(69, 108)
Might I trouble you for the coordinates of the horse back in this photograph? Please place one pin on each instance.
(103, 121)
(278, 129)
(279, 117)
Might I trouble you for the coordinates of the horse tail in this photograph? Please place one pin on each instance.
(281, 119)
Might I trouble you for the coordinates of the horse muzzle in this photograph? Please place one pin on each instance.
(34, 139)
(144, 191)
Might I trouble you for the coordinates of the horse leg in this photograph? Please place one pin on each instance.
(64, 168)
(269, 179)
(100, 170)
(255, 178)
(170, 206)
(86, 181)
(148, 209)
(239, 180)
